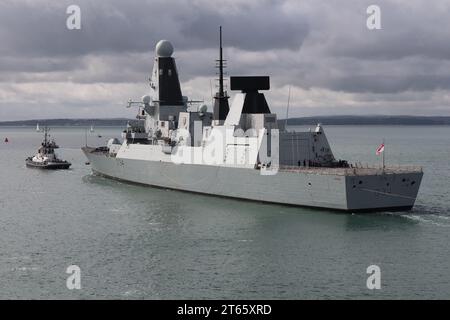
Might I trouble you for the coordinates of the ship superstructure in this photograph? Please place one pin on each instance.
(241, 151)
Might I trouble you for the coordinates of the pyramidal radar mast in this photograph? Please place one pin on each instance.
(221, 106)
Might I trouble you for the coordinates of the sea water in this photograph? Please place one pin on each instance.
(135, 242)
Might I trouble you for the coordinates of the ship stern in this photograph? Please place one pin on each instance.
(386, 190)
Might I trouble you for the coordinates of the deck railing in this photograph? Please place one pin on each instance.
(354, 169)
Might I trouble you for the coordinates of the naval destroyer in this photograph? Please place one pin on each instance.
(241, 150)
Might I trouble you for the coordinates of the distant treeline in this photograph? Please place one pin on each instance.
(370, 120)
(330, 120)
(120, 122)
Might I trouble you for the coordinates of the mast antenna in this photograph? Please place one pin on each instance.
(45, 134)
(221, 106)
(287, 107)
(221, 92)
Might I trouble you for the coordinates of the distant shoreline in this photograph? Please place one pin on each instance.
(115, 122)
(370, 120)
(325, 120)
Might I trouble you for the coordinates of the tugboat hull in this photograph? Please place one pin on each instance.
(342, 189)
(48, 165)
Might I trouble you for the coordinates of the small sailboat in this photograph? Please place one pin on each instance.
(37, 128)
(6, 140)
(92, 128)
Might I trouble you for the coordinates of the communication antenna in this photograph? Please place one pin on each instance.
(287, 107)
(221, 65)
(46, 130)
(211, 89)
(221, 107)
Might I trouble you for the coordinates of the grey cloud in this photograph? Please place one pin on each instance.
(39, 64)
(409, 28)
(389, 83)
(264, 27)
(135, 26)
(308, 44)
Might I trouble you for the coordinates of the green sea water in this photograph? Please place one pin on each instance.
(135, 242)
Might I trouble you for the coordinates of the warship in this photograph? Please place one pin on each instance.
(46, 157)
(241, 150)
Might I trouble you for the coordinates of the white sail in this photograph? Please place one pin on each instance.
(37, 127)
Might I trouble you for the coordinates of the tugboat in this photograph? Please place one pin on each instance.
(46, 158)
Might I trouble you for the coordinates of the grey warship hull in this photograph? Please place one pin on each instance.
(343, 189)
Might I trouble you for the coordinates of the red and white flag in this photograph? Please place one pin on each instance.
(380, 149)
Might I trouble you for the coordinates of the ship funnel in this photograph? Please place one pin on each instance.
(254, 102)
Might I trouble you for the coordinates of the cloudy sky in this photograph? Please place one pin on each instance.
(322, 49)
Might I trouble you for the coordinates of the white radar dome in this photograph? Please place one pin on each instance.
(146, 99)
(164, 48)
(203, 108)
